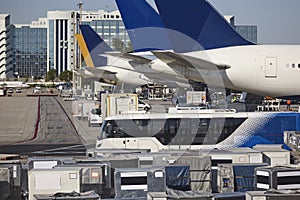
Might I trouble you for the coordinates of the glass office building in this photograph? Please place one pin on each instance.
(108, 25)
(30, 50)
(248, 32)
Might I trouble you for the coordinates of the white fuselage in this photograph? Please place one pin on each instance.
(268, 70)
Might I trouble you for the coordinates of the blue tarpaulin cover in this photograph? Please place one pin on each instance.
(178, 177)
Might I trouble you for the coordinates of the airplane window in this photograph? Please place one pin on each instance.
(299, 65)
(293, 65)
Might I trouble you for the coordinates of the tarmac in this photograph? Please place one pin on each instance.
(19, 115)
(17, 119)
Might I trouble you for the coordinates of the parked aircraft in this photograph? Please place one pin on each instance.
(272, 70)
(91, 46)
(205, 45)
(115, 67)
(14, 84)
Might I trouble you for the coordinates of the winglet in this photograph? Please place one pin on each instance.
(144, 25)
(199, 21)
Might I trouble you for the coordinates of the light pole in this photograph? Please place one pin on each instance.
(80, 20)
(79, 52)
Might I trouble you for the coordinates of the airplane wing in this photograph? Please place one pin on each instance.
(180, 60)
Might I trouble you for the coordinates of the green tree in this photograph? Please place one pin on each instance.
(51, 75)
(129, 47)
(66, 75)
(117, 44)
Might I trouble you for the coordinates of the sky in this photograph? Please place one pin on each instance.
(277, 20)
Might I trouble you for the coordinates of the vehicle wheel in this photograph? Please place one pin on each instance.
(146, 109)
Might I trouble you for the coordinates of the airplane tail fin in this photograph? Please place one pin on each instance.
(144, 25)
(199, 21)
(91, 45)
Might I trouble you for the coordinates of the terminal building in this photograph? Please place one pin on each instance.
(249, 32)
(30, 50)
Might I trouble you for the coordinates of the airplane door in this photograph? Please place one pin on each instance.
(271, 67)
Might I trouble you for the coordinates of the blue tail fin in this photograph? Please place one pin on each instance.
(95, 46)
(199, 21)
(144, 25)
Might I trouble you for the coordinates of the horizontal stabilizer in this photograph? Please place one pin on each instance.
(130, 57)
(175, 60)
(99, 71)
(91, 72)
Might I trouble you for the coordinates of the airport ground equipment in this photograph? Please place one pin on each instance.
(237, 177)
(136, 182)
(46, 181)
(82, 108)
(114, 161)
(236, 156)
(98, 153)
(182, 195)
(178, 177)
(157, 196)
(200, 169)
(292, 140)
(274, 154)
(193, 130)
(113, 104)
(6, 182)
(10, 178)
(229, 196)
(92, 175)
(273, 195)
(208, 160)
(47, 162)
(278, 178)
(69, 196)
(196, 98)
(185, 195)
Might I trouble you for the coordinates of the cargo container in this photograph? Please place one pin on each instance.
(275, 195)
(136, 182)
(274, 154)
(237, 177)
(278, 178)
(46, 181)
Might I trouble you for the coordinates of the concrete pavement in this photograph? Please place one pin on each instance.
(17, 119)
